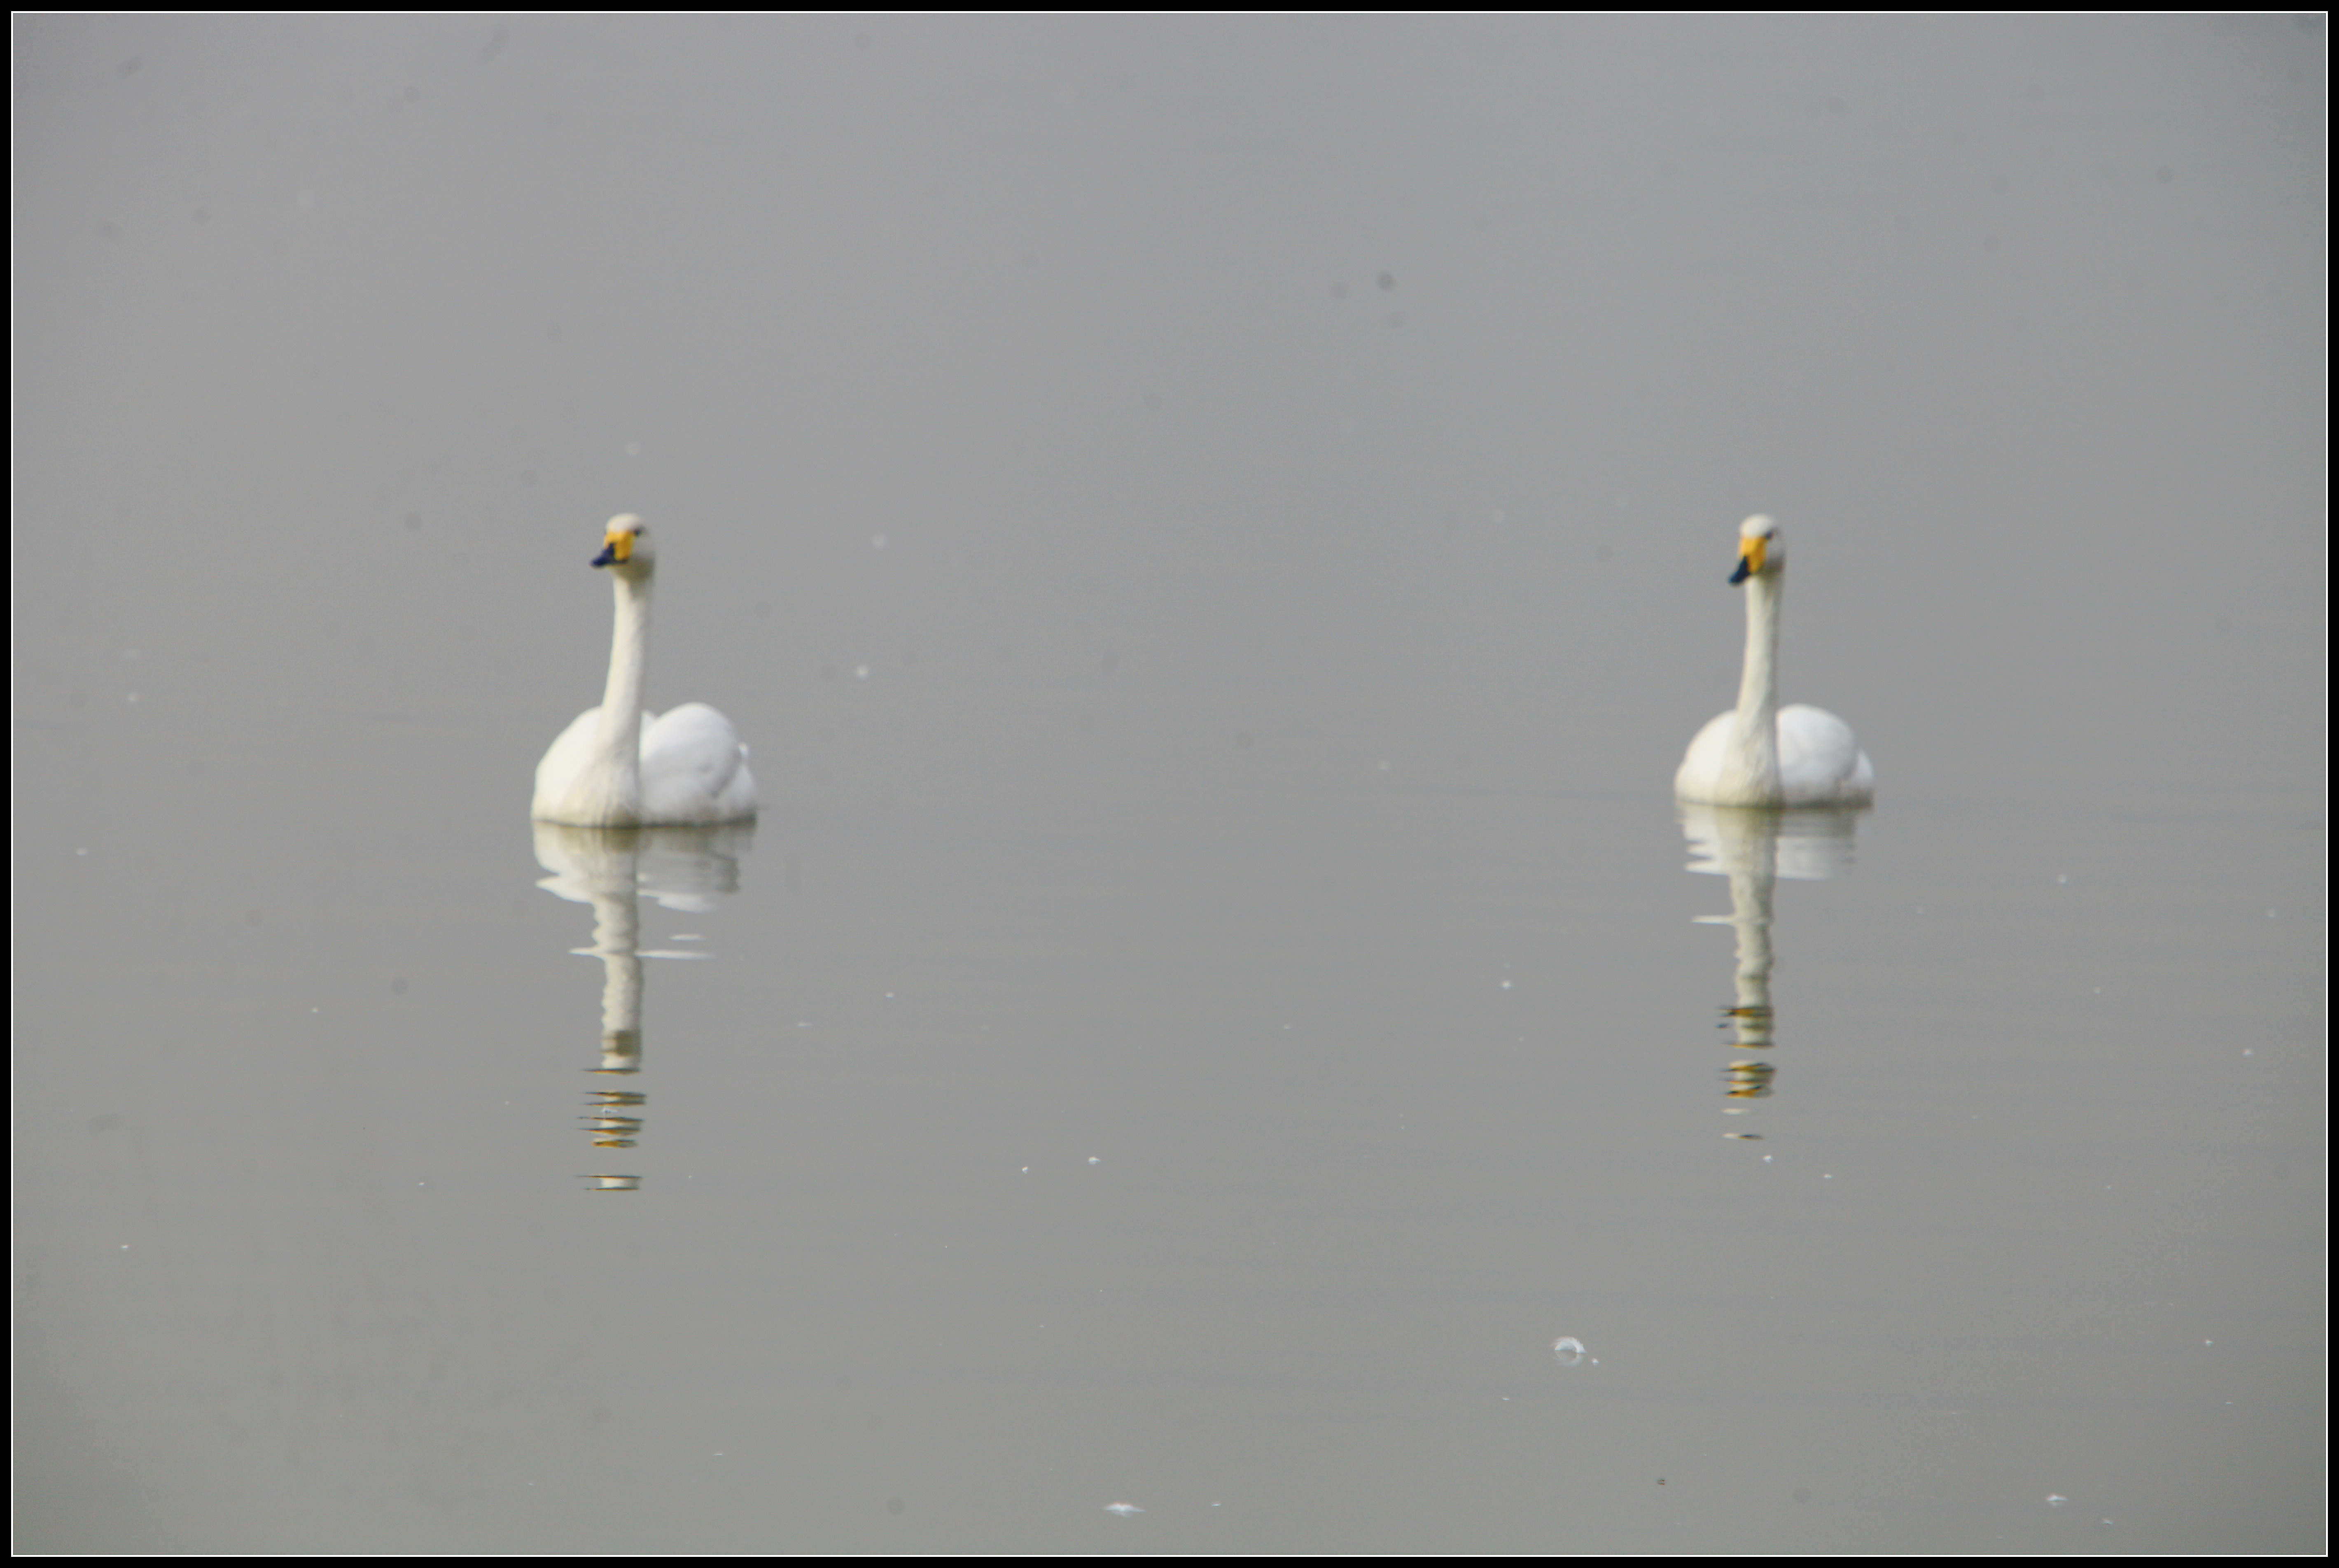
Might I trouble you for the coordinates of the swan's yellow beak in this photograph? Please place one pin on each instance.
(1751, 552)
(616, 548)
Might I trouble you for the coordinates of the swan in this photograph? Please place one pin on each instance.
(618, 766)
(1760, 753)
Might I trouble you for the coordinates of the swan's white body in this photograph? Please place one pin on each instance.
(1760, 753)
(618, 766)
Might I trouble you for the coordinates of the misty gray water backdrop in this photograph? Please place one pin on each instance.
(1219, 1039)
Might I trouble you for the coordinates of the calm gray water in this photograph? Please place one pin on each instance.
(1216, 531)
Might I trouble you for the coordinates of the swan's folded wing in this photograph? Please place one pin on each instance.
(1820, 759)
(694, 769)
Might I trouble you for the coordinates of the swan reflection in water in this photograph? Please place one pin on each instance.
(685, 870)
(1755, 846)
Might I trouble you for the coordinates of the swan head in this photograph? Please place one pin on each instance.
(624, 550)
(1761, 549)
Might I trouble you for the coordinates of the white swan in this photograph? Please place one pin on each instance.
(1760, 753)
(618, 766)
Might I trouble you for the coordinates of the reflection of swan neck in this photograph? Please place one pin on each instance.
(1756, 735)
(616, 937)
(621, 741)
(1749, 917)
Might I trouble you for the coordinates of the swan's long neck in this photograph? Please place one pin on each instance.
(1754, 741)
(618, 754)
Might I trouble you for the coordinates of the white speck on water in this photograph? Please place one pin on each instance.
(2056, 1500)
(1567, 1350)
(861, 672)
(1094, 1160)
(1506, 985)
(1123, 1509)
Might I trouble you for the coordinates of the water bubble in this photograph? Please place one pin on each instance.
(1567, 1350)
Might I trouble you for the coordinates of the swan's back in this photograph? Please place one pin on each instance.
(1820, 764)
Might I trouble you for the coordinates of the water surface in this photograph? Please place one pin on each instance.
(1215, 530)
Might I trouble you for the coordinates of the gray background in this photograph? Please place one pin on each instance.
(1215, 529)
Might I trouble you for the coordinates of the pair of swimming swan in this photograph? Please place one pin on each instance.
(618, 766)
